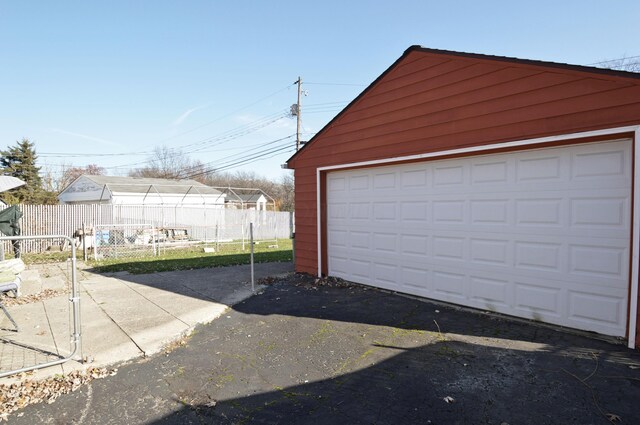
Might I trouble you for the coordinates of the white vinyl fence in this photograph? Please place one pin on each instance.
(201, 223)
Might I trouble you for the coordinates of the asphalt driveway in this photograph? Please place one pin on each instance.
(325, 355)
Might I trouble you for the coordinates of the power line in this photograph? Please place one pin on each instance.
(219, 162)
(337, 84)
(176, 135)
(317, 108)
(258, 156)
(227, 162)
(88, 155)
(268, 155)
(240, 131)
(342, 102)
(288, 149)
(228, 114)
(223, 138)
(324, 111)
(232, 157)
(243, 129)
(222, 164)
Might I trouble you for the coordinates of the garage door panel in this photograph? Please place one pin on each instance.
(360, 269)
(385, 211)
(415, 246)
(386, 274)
(533, 298)
(605, 210)
(540, 234)
(339, 265)
(494, 252)
(539, 167)
(542, 256)
(415, 212)
(449, 247)
(595, 309)
(600, 161)
(598, 261)
(359, 211)
(382, 181)
(485, 172)
(493, 212)
(450, 174)
(415, 279)
(449, 284)
(358, 183)
(490, 292)
(413, 179)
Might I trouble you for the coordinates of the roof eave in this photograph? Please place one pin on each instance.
(365, 91)
(290, 163)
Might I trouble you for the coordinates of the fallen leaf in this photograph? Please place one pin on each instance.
(613, 418)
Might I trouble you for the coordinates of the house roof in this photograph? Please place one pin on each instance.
(252, 198)
(416, 48)
(10, 182)
(142, 185)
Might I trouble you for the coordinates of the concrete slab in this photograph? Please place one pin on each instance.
(181, 302)
(54, 283)
(227, 285)
(34, 327)
(31, 282)
(33, 345)
(102, 339)
(123, 316)
(148, 325)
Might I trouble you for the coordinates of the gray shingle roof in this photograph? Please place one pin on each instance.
(251, 198)
(142, 184)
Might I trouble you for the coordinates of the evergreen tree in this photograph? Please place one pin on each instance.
(20, 161)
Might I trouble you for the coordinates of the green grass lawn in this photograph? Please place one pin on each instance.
(178, 258)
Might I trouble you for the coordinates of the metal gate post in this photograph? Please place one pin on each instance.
(76, 337)
(253, 285)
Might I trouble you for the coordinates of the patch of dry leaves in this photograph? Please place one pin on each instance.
(308, 281)
(20, 394)
(28, 299)
(335, 282)
(182, 342)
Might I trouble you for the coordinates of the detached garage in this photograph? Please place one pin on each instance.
(496, 183)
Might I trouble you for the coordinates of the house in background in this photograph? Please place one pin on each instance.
(89, 189)
(497, 183)
(255, 201)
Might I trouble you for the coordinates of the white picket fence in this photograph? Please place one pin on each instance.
(202, 223)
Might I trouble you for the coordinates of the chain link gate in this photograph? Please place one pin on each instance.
(27, 348)
(125, 240)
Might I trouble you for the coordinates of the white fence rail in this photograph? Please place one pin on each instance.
(201, 222)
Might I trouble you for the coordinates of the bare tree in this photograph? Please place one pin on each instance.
(629, 64)
(72, 173)
(55, 180)
(53, 177)
(167, 163)
(281, 190)
(287, 193)
(170, 163)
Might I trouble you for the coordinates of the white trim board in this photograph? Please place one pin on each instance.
(635, 242)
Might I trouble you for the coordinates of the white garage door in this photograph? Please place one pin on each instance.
(542, 234)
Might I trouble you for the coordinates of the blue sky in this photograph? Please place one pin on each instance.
(122, 77)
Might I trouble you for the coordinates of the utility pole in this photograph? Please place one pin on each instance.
(298, 111)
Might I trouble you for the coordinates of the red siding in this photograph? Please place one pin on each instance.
(430, 101)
